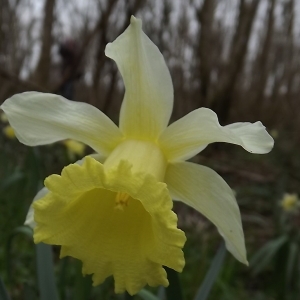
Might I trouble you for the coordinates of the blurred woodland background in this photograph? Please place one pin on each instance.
(240, 58)
(235, 57)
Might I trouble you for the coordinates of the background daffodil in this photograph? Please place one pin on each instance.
(113, 211)
(290, 202)
(7, 130)
(74, 149)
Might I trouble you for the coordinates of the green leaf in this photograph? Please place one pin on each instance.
(11, 180)
(3, 292)
(25, 230)
(212, 274)
(45, 272)
(146, 295)
(161, 292)
(292, 262)
(264, 256)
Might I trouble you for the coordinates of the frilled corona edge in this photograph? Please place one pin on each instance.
(116, 222)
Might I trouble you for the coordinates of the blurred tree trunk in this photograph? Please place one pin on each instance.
(282, 100)
(100, 55)
(41, 74)
(108, 99)
(2, 8)
(164, 27)
(12, 55)
(205, 16)
(262, 68)
(4, 16)
(10, 35)
(290, 52)
(221, 99)
(81, 53)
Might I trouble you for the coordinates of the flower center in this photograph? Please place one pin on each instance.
(143, 156)
(121, 200)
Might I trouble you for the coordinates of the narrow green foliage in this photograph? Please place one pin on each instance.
(292, 262)
(146, 295)
(11, 180)
(45, 272)
(264, 256)
(24, 230)
(3, 292)
(212, 274)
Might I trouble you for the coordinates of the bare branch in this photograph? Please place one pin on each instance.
(24, 85)
(205, 16)
(262, 68)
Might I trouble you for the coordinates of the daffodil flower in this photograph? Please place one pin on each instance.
(3, 117)
(290, 202)
(9, 132)
(74, 148)
(113, 210)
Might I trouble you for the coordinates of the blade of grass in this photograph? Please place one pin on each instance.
(11, 180)
(146, 295)
(27, 231)
(161, 293)
(212, 274)
(23, 230)
(291, 263)
(264, 256)
(3, 292)
(45, 272)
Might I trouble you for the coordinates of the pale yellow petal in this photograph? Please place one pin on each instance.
(148, 100)
(191, 134)
(41, 118)
(204, 190)
(118, 223)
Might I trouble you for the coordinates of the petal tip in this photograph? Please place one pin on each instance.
(135, 21)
